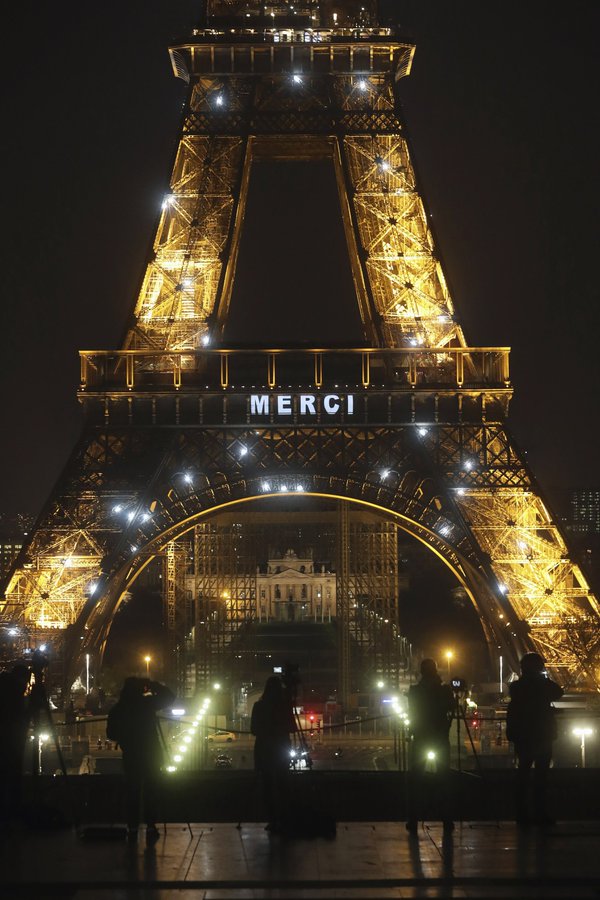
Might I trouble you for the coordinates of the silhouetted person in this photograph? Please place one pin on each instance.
(14, 721)
(271, 723)
(132, 723)
(530, 725)
(430, 707)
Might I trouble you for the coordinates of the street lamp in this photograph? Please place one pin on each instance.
(449, 655)
(148, 660)
(582, 733)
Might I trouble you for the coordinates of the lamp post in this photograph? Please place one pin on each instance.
(148, 660)
(582, 733)
(449, 655)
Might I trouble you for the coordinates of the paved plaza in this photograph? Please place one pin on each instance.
(374, 860)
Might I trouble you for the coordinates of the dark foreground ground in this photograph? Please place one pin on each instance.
(214, 845)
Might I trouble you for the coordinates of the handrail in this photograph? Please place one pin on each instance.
(224, 368)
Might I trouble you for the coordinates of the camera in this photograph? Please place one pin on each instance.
(277, 670)
(290, 675)
(458, 684)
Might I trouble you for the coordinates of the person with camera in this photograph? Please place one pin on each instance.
(132, 723)
(271, 723)
(531, 727)
(430, 707)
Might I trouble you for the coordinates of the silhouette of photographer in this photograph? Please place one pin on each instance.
(271, 723)
(531, 727)
(430, 707)
(132, 723)
(15, 716)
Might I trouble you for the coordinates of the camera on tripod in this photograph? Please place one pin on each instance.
(290, 676)
(458, 685)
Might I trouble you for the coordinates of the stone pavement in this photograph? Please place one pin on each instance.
(365, 860)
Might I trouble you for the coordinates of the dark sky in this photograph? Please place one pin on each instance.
(502, 109)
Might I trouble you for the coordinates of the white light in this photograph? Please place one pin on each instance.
(468, 465)
(445, 530)
(171, 768)
(412, 342)
(243, 451)
(187, 739)
(117, 508)
(299, 488)
(217, 686)
(423, 432)
(219, 100)
(92, 588)
(187, 478)
(266, 486)
(134, 548)
(43, 648)
(522, 545)
(205, 340)
(178, 711)
(582, 732)
(183, 748)
(44, 737)
(430, 754)
(13, 631)
(362, 85)
(169, 199)
(384, 474)
(297, 79)
(130, 516)
(460, 491)
(503, 589)
(293, 754)
(283, 489)
(145, 517)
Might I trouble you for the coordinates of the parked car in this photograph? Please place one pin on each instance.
(221, 737)
(222, 761)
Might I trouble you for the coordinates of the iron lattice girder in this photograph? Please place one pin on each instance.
(465, 514)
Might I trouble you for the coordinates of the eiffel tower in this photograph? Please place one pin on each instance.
(411, 424)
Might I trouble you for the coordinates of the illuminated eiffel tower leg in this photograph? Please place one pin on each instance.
(418, 433)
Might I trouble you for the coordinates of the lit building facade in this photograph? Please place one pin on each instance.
(585, 511)
(291, 590)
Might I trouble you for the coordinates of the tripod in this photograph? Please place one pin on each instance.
(39, 707)
(459, 717)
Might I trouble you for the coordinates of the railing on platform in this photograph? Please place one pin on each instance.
(406, 368)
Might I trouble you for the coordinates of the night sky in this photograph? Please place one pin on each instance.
(502, 110)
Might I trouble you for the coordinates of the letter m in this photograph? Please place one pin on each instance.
(259, 404)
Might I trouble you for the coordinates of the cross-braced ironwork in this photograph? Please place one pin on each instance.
(412, 424)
